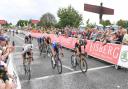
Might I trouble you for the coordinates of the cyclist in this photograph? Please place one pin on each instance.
(28, 38)
(27, 50)
(55, 48)
(48, 43)
(40, 40)
(78, 45)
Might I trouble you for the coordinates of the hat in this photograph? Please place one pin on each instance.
(2, 38)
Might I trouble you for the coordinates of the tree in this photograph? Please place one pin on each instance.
(106, 23)
(22, 23)
(122, 23)
(31, 24)
(7, 25)
(90, 25)
(47, 20)
(69, 17)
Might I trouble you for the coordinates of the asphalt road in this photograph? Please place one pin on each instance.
(100, 75)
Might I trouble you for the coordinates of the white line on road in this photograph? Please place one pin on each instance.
(91, 69)
(68, 67)
(69, 73)
(19, 37)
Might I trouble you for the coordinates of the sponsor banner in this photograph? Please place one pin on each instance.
(107, 52)
(123, 59)
(36, 35)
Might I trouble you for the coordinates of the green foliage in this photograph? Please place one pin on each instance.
(7, 25)
(47, 20)
(22, 23)
(69, 17)
(106, 23)
(122, 23)
(90, 25)
(31, 24)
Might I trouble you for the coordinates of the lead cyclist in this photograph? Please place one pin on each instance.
(27, 50)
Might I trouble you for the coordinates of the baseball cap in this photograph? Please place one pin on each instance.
(2, 38)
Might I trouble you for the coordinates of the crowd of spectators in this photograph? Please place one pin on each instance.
(118, 36)
(5, 49)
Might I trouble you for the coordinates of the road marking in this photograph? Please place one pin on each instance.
(64, 74)
(20, 37)
(68, 67)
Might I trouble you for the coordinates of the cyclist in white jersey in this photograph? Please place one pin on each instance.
(27, 50)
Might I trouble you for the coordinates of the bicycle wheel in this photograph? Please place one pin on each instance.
(53, 62)
(40, 49)
(73, 61)
(24, 66)
(44, 48)
(59, 66)
(83, 65)
(28, 73)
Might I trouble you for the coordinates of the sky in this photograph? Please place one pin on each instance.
(13, 10)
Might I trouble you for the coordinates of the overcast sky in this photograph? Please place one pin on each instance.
(13, 10)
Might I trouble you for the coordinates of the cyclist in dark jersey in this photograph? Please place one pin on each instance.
(78, 46)
(28, 39)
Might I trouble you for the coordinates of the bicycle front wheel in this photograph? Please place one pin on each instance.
(59, 66)
(83, 65)
(73, 61)
(53, 62)
(28, 72)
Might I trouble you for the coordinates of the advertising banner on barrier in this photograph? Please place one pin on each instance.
(107, 52)
(123, 59)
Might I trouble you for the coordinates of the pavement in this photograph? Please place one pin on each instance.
(100, 75)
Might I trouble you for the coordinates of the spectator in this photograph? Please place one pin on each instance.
(125, 38)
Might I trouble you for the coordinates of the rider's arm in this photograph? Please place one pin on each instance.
(61, 50)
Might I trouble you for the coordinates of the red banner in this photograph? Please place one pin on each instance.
(108, 52)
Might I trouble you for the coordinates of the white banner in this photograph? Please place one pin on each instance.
(123, 59)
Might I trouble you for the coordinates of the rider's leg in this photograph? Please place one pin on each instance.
(30, 56)
(23, 57)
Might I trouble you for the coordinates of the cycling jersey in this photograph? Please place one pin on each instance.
(28, 39)
(56, 46)
(78, 46)
(27, 48)
(48, 40)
